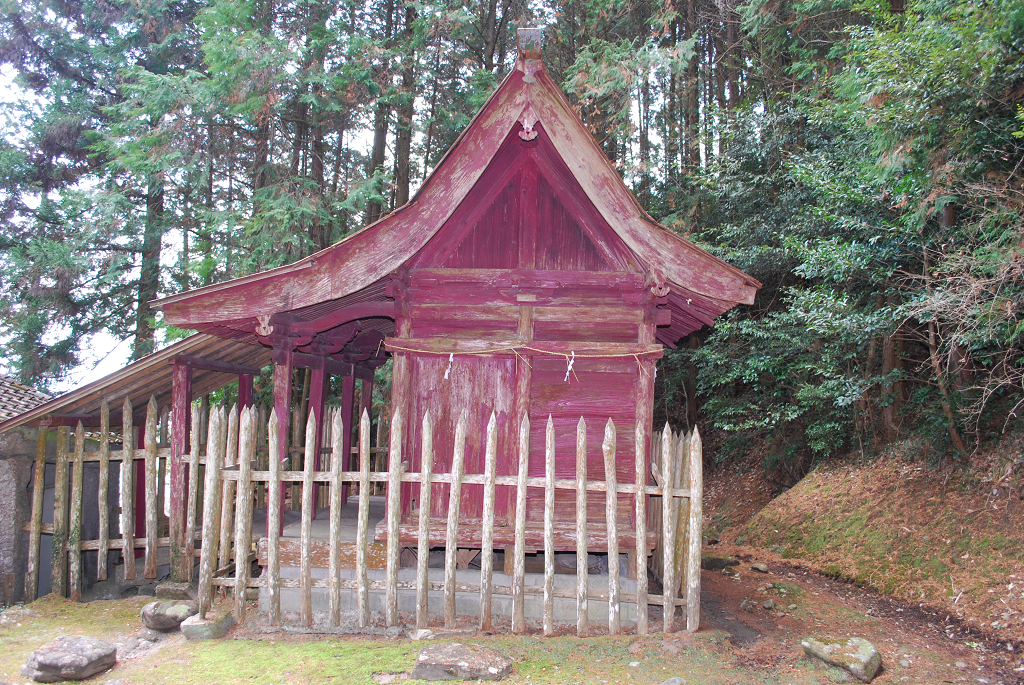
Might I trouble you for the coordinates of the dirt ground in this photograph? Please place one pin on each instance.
(739, 642)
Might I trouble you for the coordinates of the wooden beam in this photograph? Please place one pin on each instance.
(213, 365)
(506, 347)
(339, 317)
(300, 360)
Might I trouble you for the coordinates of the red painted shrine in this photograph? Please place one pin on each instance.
(523, 278)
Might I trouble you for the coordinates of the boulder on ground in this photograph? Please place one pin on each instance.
(457, 661)
(712, 563)
(213, 626)
(856, 655)
(167, 614)
(71, 657)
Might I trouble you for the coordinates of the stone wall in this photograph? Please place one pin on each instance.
(17, 457)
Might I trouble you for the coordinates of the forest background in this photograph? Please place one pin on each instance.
(862, 159)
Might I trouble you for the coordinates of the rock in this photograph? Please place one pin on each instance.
(674, 681)
(905, 663)
(114, 682)
(856, 655)
(769, 586)
(420, 633)
(712, 563)
(634, 664)
(456, 661)
(760, 568)
(769, 605)
(213, 626)
(791, 607)
(175, 591)
(167, 614)
(960, 664)
(71, 657)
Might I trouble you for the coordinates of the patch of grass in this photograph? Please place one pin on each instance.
(706, 657)
(269, 662)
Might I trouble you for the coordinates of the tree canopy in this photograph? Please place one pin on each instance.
(862, 159)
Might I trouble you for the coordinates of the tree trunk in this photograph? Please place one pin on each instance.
(403, 135)
(691, 153)
(381, 115)
(149, 273)
(933, 355)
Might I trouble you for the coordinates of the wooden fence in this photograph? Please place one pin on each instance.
(74, 450)
(676, 550)
(233, 482)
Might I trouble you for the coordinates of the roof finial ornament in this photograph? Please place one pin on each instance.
(530, 42)
(528, 119)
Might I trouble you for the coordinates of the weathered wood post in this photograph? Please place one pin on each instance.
(519, 570)
(363, 523)
(549, 527)
(150, 473)
(395, 469)
(306, 530)
(227, 511)
(58, 579)
(127, 490)
(668, 531)
(582, 579)
(334, 571)
(423, 537)
(211, 509)
(274, 523)
(181, 398)
(696, 461)
(452, 534)
(487, 543)
(243, 507)
(75, 526)
(102, 493)
(611, 513)
(641, 531)
(188, 563)
(36, 522)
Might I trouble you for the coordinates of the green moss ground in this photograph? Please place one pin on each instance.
(707, 658)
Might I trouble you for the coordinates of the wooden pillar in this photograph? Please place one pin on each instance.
(283, 367)
(365, 405)
(181, 399)
(348, 392)
(317, 394)
(245, 391)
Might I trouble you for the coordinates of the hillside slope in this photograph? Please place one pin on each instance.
(950, 541)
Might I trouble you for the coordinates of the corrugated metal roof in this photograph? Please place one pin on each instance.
(149, 376)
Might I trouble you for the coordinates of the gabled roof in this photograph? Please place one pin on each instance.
(16, 398)
(698, 285)
(149, 376)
